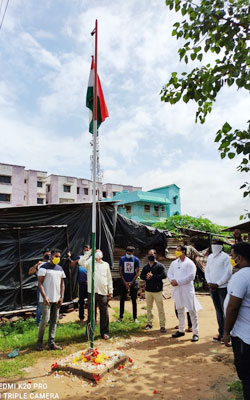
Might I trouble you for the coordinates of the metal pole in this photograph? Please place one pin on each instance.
(93, 236)
(20, 269)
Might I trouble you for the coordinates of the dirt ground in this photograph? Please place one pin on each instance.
(162, 368)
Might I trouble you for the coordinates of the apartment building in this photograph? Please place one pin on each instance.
(19, 187)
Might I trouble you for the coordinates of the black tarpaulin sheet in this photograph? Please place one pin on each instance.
(26, 231)
(131, 233)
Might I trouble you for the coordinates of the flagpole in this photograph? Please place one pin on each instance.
(93, 235)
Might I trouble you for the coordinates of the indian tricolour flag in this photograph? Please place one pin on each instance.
(102, 111)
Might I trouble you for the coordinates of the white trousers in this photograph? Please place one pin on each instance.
(194, 320)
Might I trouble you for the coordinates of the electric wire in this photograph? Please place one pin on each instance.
(1, 24)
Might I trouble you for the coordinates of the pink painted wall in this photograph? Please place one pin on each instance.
(32, 188)
(17, 181)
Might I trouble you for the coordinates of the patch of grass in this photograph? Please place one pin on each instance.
(236, 388)
(14, 367)
(23, 334)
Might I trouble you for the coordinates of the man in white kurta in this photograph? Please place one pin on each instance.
(103, 287)
(181, 275)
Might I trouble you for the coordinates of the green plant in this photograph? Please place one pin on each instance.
(175, 222)
(236, 388)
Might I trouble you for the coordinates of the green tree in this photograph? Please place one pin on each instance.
(175, 222)
(221, 27)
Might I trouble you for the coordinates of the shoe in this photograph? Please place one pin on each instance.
(119, 320)
(39, 347)
(195, 338)
(136, 321)
(163, 329)
(222, 341)
(216, 339)
(55, 347)
(178, 334)
(189, 330)
(106, 337)
(81, 322)
(148, 327)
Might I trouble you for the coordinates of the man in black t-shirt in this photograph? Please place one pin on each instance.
(153, 273)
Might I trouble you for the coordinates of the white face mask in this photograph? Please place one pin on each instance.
(216, 248)
(98, 254)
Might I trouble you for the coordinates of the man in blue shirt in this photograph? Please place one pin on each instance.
(82, 283)
(129, 271)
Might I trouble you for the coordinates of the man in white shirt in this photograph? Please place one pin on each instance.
(237, 311)
(103, 288)
(181, 275)
(218, 273)
(51, 286)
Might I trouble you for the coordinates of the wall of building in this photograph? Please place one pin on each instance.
(172, 192)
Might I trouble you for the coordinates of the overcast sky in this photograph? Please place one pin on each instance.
(45, 56)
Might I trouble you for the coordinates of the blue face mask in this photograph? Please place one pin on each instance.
(46, 257)
(129, 255)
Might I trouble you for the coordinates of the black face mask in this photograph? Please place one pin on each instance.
(151, 258)
(46, 257)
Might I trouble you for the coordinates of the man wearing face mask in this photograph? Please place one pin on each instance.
(153, 273)
(34, 270)
(82, 282)
(103, 288)
(129, 271)
(181, 275)
(218, 273)
(51, 286)
(237, 311)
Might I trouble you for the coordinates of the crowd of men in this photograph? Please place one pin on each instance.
(230, 294)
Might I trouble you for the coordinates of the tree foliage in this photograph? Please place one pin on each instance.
(175, 222)
(220, 27)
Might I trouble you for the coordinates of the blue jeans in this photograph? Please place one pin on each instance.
(218, 297)
(38, 311)
(49, 314)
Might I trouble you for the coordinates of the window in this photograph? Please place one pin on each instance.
(146, 208)
(114, 193)
(86, 191)
(78, 190)
(163, 209)
(4, 197)
(5, 179)
(128, 209)
(104, 194)
(48, 187)
(25, 180)
(39, 201)
(175, 199)
(39, 184)
(66, 188)
(156, 211)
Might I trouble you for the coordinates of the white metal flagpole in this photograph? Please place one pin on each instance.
(93, 236)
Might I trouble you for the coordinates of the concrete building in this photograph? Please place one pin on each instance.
(19, 187)
(149, 207)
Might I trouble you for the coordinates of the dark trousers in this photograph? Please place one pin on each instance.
(242, 363)
(38, 311)
(101, 302)
(188, 318)
(83, 294)
(133, 295)
(218, 297)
